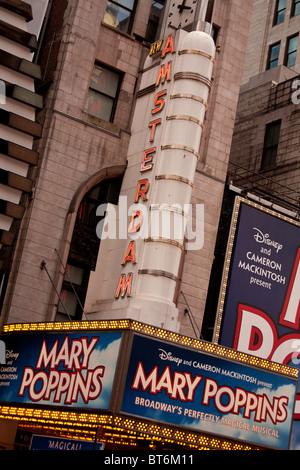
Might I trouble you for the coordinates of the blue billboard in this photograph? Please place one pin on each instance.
(184, 387)
(259, 309)
(60, 369)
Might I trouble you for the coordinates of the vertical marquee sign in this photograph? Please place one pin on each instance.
(147, 162)
(259, 307)
(162, 159)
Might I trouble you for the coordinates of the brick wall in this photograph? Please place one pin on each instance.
(258, 107)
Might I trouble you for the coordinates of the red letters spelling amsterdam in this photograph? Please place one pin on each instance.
(143, 185)
(66, 384)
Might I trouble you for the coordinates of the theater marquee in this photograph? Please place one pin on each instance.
(73, 370)
(136, 373)
(190, 389)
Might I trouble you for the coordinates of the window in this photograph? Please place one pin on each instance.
(280, 11)
(154, 19)
(84, 249)
(103, 93)
(120, 14)
(73, 291)
(295, 8)
(215, 32)
(291, 52)
(270, 145)
(273, 56)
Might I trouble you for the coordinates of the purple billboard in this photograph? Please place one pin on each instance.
(259, 308)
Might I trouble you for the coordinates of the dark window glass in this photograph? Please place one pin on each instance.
(270, 145)
(73, 289)
(103, 93)
(292, 45)
(296, 8)
(215, 32)
(280, 12)
(84, 249)
(120, 14)
(273, 56)
(154, 18)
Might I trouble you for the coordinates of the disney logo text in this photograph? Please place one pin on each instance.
(167, 356)
(260, 237)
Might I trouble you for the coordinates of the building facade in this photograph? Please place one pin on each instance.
(264, 156)
(269, 99)
(273, 40)
(264, 164)
(19, 126)
(83, 145)
(139, 105)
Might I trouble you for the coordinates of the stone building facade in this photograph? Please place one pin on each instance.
(19, 129)
(274, 177)
(269, 104)
(264, 154)
(273, 39)
(264, 158)
(83, 152)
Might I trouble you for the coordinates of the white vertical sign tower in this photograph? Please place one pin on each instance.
(142, 268)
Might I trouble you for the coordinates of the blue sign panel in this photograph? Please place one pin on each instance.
(57, 443)
(184, 387)
(259, 312)
(263, 267)
(73, 370)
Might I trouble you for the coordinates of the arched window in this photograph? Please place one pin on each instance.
(84, 249)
